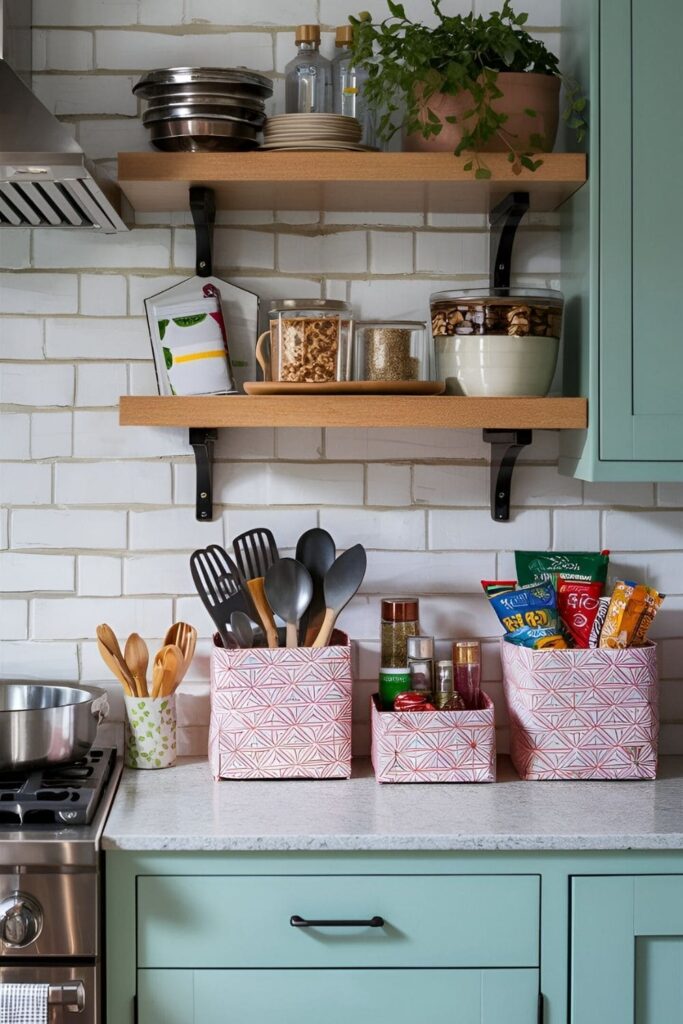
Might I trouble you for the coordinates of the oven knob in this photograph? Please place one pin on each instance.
(21, 920)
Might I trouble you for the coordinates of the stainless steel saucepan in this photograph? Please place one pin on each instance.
(42, 725)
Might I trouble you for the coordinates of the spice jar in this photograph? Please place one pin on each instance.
(421, 675)
(467, 659)
(310, 342)
(392, 350)
(392, 682)
(400, 619)
(443, 684)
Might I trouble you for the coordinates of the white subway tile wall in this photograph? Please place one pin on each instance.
(97, 522)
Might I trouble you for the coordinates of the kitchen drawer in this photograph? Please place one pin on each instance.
(338, 997)
(430, 921)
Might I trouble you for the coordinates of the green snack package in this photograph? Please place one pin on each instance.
(580, 566)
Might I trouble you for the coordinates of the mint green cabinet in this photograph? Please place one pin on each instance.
(622, 243)
(627, 950)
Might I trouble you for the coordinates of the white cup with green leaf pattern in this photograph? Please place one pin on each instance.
(150, 732)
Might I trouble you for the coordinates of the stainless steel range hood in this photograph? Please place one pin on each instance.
(45, 179)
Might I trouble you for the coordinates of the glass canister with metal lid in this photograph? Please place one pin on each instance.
(308, 342)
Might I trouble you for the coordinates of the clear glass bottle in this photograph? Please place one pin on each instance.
(443, 684)
(348, 83)
(308, 77)
(400, 619)
(467, 658)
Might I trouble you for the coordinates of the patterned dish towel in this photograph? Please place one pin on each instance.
(23, 1004)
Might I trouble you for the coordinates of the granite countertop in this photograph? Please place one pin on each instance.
(182, 808)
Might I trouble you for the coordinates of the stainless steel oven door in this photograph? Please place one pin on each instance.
(74, 991)
(51, 913)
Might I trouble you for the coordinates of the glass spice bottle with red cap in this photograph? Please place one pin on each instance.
(400, 619)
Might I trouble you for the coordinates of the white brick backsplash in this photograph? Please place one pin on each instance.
(575, 531)
(76, 618)
(628, 495)
(98, 435)
(537, 252)
(57, 662)
(98, 576)
(4, 524)
(257, 12)
(100, 384)
(25, 483)
(158, 574)
(543, 485)
(21, 338)
(160, 12)
(113, 483)
(451, 485)
(191, 609)
(298, 443)
(401, 300)
(97, 338)
(19, 573)
(626, 531)
(39, 293)
(103, 294)
(15, 252)
(668, 621)
(142, 379)
(51, 434)
(427, 572)
(255, 443)
(233, 247)
(172, 530)
(448, 252)
(670, 495)
(57, 528)
(661, 570)
(103, 140)
(85, 12)
(62, 51)
(290, 483)
(14, 436)
(142, 247)
(34, 384)
(144, 50)
(391, 252)
(286, 525)
(387, 485)
(13, 620)
(86, 94)
(672, 659)
(402, 531)
(344, 251)
(475, 530)
(401, 219)
(142, 288)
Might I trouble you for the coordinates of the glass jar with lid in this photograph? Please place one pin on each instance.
(308, 341)
(392, 350)
(400, 620)
(497, 341)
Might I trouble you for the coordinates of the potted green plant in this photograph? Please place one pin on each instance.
(472, 84)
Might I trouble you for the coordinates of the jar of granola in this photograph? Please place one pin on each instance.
(309, 342)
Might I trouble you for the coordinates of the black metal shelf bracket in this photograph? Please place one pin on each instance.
(202, 440)
(504, 220)
(505, 448)
(203, 209)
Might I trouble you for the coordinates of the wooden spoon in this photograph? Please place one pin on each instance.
(168, 662)
(137, 658)
(184, 636)
(258, 596)
(114, 667)
(342, 580)
(106, 636)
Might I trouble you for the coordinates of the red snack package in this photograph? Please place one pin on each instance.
(412, 701)
(578, 604)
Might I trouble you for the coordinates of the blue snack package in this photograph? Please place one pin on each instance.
(530, 607)
(541, 639)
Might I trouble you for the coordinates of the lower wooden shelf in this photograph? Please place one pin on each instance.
(395, 411)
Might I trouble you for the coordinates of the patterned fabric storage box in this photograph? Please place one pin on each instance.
(434, 746)
(281, 714)
(582, 714)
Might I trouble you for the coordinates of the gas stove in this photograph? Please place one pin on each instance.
(56, 795)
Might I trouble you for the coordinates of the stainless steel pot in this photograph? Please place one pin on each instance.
(42, 725)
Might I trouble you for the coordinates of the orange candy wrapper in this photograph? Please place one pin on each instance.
(630, 615)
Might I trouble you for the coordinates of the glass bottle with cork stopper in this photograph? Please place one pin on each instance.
(348, 85)
(308, 77)
(467, 660)
(400, 619)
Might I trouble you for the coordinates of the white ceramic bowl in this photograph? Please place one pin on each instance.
(496, 365)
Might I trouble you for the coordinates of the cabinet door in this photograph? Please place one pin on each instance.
(641, 226)
(627, 950)
(338, 996)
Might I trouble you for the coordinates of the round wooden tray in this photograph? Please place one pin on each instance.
(348, 387)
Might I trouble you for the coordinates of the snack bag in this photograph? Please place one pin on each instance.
(492, 587)
(543, 639)
(529, 615)
(630, 615)
(578, 604)
(582, 566)
(653, 602)
(599, 621)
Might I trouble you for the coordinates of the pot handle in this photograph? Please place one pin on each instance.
(261, 358)
(99, 708)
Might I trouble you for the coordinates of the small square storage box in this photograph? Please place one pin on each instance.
(282, 713)
(582, 714)
(434, 746)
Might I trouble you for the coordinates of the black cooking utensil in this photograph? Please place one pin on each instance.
(342, 581)
(316, 550)
(255, 552)
(219, 585)
(289, 588)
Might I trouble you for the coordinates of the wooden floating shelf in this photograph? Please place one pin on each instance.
(377, 182)
(361, 411)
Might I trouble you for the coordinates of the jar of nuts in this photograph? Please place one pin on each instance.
(309, 342)
(391, 350)
(497, 342)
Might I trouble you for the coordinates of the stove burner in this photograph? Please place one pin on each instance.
(59, 795)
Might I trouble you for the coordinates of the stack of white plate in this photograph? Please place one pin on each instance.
(312, 131)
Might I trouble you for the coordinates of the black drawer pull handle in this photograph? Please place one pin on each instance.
(301, 922)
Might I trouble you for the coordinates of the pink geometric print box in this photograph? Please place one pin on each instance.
(582, 714)
(434, 746)
(281, 713)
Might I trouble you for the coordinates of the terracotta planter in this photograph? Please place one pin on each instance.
(521, 91)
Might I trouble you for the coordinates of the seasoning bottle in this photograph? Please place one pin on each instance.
(420, 650)
(348, 85)
(467, 658)
(443, 685)
(392, 681)
(400, 619)
(308, 77)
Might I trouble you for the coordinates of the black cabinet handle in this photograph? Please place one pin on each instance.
(301, 922)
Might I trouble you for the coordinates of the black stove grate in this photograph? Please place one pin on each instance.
(64, 794)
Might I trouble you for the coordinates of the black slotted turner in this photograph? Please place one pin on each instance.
(255, 552)
(219, 586)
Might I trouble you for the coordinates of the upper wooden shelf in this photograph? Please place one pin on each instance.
(378, 182)
(441, 412)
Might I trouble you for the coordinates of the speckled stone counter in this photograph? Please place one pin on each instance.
(182, 808)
